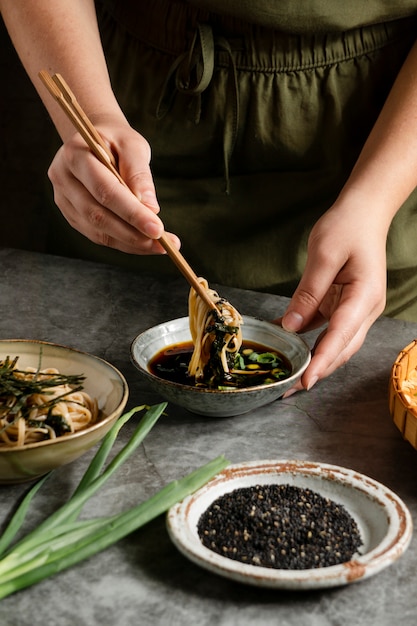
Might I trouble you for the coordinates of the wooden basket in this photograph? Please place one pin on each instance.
(403, 413)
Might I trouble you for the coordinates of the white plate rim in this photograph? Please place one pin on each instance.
(388, 508)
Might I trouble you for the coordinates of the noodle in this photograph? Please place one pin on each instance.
(216, 358)
(216, 335)
(39, 404)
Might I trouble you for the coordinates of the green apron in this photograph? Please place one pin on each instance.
(254, 131)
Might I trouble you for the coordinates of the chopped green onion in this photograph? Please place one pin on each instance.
(63, 540)
(267, 357)
(239, 362)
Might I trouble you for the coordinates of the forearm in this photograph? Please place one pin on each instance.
(62, 36)
(386, 171)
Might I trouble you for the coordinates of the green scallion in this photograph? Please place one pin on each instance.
(63, 540)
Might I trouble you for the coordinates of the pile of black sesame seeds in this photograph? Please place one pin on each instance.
(280, 526)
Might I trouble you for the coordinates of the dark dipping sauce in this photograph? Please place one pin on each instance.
(281, 527)
(171, 363)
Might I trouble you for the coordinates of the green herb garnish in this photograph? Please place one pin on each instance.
(17, 386)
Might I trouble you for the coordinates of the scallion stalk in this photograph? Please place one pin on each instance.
(62, 540)
(19, 516)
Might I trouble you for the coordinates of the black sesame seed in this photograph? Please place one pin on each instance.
(280, 526)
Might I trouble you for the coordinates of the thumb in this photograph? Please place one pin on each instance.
(303, 311)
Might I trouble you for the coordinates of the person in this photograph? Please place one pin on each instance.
(277, 141)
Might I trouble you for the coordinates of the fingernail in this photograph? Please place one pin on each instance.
(289, 393)
(312, 382)
(152, 230)
(292, 321)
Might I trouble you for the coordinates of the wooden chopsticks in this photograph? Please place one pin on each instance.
(59, 89)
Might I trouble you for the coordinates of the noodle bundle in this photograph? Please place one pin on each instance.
(216, 335)
(39, 404)
(217, 358)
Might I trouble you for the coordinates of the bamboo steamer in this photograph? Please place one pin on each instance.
(402, 397)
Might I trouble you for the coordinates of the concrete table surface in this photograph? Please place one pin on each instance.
(143, 579)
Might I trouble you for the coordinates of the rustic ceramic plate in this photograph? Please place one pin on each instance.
(383, 519)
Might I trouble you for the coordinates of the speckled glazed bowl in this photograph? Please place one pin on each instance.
(402, 393)
(213, 402)
(103, 381)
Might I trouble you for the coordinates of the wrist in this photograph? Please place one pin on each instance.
(369, 207)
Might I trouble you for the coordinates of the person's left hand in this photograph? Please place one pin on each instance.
(343, 285)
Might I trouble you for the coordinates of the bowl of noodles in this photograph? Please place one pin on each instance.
(403, 393)
(55, 404)
(262, 361)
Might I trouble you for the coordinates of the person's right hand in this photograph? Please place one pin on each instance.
(96, 204)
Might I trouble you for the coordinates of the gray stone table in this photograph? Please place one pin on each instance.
(143, 579)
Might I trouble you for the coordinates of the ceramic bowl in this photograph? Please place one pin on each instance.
(213, 402)
(403, 393)
(103, 381)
